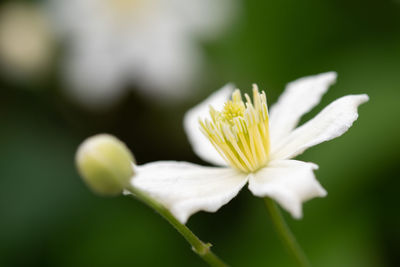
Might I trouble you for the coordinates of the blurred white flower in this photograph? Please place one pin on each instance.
(26, 40)
(251, 146)
(148, 43)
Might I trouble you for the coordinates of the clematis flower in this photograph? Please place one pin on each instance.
(251, 146)
(151, 44)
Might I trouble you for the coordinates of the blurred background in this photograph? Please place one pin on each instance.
(73, 68)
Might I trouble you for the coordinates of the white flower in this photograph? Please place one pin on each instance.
(251, 146)
(26, 40)
(149, 43)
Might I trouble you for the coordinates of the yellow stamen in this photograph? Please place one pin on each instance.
(239, 132)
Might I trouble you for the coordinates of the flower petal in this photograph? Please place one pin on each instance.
(185, 188)
(93, 77)
(289, 182)
(205, 18)
(200, 144)
(299, 97)
(331, 122)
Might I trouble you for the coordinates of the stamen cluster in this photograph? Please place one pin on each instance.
(240, 132)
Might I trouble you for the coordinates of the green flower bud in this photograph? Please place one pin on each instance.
(105, 164)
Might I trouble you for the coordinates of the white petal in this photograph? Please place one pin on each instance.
(200, 144)
(205, 18)
(169, 72)
(93, 75)
(331, 122)
(185, 188)
(299, 97)
(289, 182)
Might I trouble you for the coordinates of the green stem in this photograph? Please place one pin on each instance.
(285, 234)
(202, 249)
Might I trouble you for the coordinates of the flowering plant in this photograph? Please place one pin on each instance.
(249, 144)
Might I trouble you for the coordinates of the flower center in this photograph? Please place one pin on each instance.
(123, 11)
(123, 5)
(232, 110)
(240, 132)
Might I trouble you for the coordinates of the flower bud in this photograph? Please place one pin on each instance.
(105, 164)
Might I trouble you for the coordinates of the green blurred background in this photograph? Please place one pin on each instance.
(49, 218)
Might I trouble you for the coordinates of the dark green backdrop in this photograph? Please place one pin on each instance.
(49, 218)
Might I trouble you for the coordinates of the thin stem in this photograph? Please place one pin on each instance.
(285, 234)
(199, 247)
